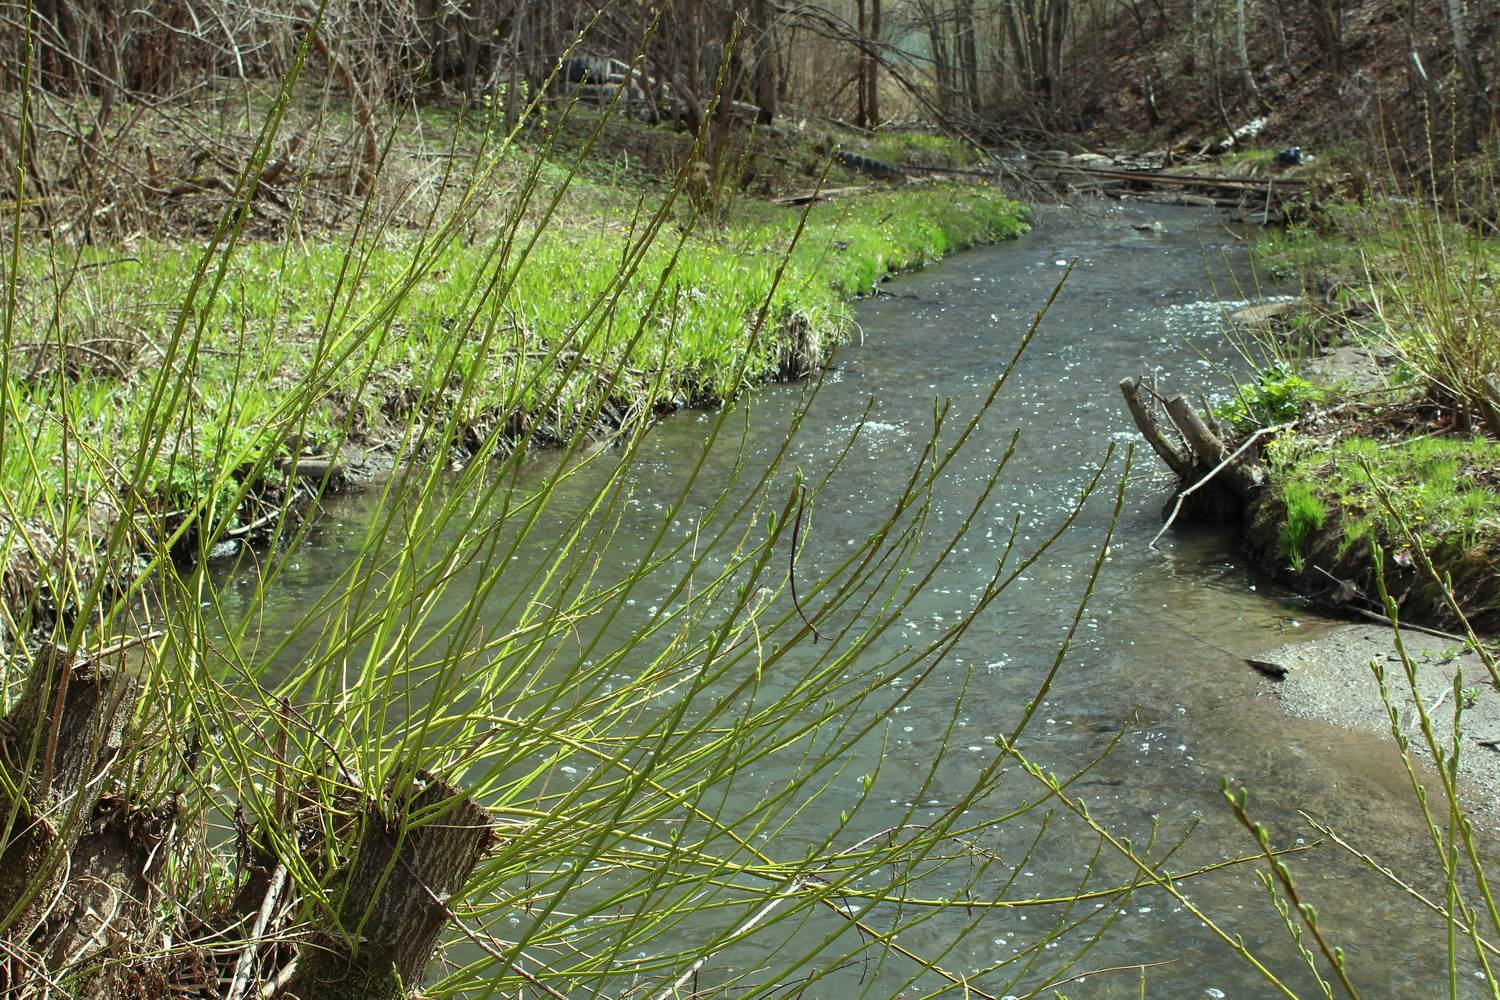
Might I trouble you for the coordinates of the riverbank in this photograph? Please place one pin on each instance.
(1370, 679)
(196, 395)
(1361, 458)
(1384, 371)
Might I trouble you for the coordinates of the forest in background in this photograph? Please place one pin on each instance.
(1133, 72)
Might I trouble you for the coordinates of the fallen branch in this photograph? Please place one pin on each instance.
(246, 964)
(1142, 412)
(1175, 180)
(1210, 449)
(1229, 460)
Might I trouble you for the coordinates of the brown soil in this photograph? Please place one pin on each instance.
(1342, 577)
(1346, 581)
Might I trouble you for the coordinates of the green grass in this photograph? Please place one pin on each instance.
(1405, 279)
(1305, 517)
(1444, 488)
(923, 149)
(1403, 276)
(1245, 161)
(562, 341)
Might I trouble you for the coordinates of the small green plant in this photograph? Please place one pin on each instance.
(1275, 397)
(1305, 516)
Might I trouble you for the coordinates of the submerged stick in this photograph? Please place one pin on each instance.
(1228, 460)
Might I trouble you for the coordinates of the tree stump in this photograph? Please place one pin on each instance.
(56, 746)
(392, 898)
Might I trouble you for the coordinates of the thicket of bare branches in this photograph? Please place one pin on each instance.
(105, 77)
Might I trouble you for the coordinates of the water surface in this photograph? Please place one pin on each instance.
(1161, 647)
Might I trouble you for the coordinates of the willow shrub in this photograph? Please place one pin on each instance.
(473, 639)
(619, 859)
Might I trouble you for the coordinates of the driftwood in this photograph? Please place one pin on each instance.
(1243, 479)
(1138, 400)
(393, 897)
(1155, 178)
(1216, 478)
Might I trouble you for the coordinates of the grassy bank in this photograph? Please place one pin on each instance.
(1393, 452)
(585, 306)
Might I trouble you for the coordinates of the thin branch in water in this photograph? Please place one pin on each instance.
(1228, 461)
(792, 567)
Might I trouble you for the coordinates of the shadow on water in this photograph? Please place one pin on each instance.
(1161, 648)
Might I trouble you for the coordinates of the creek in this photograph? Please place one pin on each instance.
(1160, 650)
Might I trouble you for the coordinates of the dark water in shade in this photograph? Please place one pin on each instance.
(1162, 641)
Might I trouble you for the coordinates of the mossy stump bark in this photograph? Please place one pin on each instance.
(392, 899)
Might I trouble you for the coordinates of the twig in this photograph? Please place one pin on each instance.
(1079, 976)
(121, 645)
(1376, 616)
(485, 946)
(278, 984)
(792, 569)
(791, 890)
(1244, 445)
(246, 963)
(255, 525)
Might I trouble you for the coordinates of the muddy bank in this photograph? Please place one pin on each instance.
(1333, 676)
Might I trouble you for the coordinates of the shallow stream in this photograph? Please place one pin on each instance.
(1162, 642)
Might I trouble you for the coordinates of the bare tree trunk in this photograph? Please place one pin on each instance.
(942, 67)
(56, 747)
(968, 54)
(765, 53)
(862, 25)
(1242, 51)
(1016, 17)
(1328, 31)
(1470, 68)
(1057, 29)
(872, 67)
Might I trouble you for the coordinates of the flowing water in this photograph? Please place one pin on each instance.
(1161, 643)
